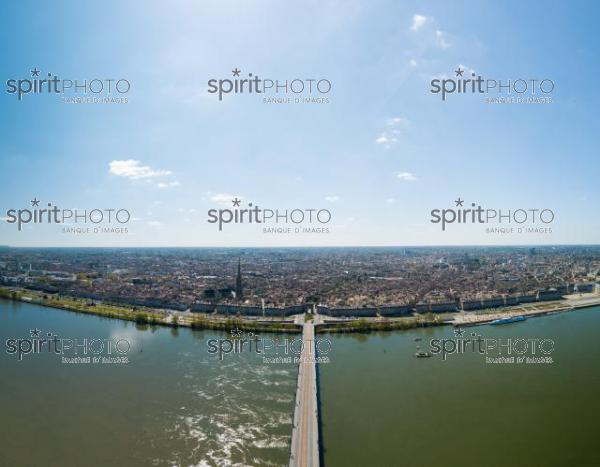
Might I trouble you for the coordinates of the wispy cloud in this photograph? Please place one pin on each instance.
(390, 200)
(397, 122)
(134, 170)
(224, 199)
(468, 69)
(164, 185)
(418, 22)
(386, 140)
(332, 199)
(441, 40)
(394, 127)
(406, 176)
(429, 39)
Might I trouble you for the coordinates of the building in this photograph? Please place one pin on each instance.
(239, 289)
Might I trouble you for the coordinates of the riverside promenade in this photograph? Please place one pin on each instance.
(570, 303)
(305, 432)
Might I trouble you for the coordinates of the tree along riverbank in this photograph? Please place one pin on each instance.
(146, 315)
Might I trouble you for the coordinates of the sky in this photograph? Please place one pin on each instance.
(380, 155)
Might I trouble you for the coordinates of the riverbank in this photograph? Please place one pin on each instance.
(171, 318)
(145, 315)
(570, 303)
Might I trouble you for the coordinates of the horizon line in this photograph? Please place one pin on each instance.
(523, 245)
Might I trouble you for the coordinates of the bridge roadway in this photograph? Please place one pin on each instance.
(305, 432)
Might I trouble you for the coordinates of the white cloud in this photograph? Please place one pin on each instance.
(418, 22)
(468, 70)
(224, 199)
(154, 223)
(385, 139)
(441, 40)
(133, 170)
(412, 62)
(395, 126)
(398, 122)
(332, 199)
(3, 219)
(163, 185)
(390, 200)
(406, 176)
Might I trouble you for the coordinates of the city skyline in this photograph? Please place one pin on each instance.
(335, 277)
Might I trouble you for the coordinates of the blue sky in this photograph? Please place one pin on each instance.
(380, 155)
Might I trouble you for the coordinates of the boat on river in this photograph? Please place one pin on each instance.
(510, 319)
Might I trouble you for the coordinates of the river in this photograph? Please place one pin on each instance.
(174, 404)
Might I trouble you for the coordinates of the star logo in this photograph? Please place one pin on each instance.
(236, 202)
(459, 202)
(236, 71)
(236, 332)
(35, 72)
(459, 71)
(35, 202)
(35, 332)
(458, 332)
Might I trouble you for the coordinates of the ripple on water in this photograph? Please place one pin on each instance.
(239, 413)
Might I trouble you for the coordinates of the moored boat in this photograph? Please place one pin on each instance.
(510, 319)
